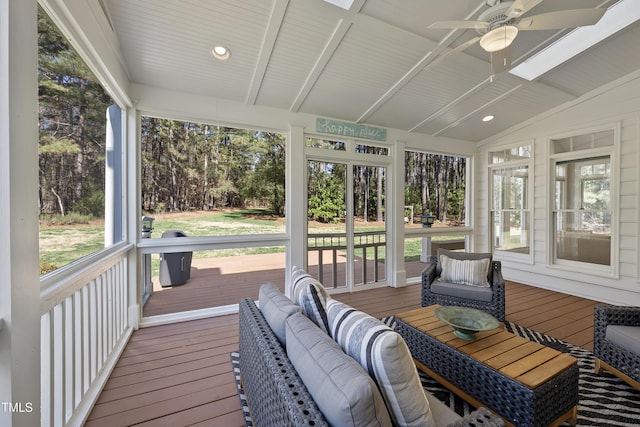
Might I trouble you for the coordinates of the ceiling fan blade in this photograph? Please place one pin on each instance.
(520, 7)
(501, 60)
(561, 19)
(447, 25)
(456, 49)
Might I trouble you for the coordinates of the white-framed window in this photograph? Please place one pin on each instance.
(584, 191)
(511, 222)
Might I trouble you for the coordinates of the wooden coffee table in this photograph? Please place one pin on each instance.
(526, 383)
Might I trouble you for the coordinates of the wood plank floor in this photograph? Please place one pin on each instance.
(180, 374)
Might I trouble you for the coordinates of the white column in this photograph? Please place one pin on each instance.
(113, 177)
(131, 188)
(19, 260)
(296, 204)
(396, 271)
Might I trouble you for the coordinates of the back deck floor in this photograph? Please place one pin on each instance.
(180, 374)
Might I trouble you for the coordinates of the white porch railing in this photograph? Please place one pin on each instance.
(84, 323)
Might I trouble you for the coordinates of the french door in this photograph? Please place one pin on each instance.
(346, 227)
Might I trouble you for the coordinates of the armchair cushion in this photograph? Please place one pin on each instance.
(462, 291)
(489, 299)
(465, 271)
(627, 337)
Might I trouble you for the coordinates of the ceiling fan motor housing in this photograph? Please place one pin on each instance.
(496, 16)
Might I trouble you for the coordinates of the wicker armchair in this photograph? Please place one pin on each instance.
(617, 349)
(489, 299)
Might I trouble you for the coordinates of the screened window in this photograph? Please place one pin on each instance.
(209, 180)
(79, 155)
(434, 186)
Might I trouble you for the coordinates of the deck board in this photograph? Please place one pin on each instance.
(180, 374)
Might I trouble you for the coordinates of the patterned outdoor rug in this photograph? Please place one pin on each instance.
(604, 399)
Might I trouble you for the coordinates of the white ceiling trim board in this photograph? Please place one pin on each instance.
(430, 59)
(328, 51)
(453, 103)
(268, 43)
(474, 112)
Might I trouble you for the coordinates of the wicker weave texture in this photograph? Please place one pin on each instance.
(513, 401)
(620, 358)
(495, 307)
(275, 393)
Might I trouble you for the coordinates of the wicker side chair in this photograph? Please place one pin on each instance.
(616, 342)
(489, 299)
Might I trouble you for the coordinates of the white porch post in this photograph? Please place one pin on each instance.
(113, 177)
(396, 271)
(133, 211)
(296, 204)
(19, 260)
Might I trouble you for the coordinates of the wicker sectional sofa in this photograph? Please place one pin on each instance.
(277, 395)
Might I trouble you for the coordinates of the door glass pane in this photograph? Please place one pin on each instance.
(369, 183)
(326, 223)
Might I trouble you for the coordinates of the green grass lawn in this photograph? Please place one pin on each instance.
(63, 244)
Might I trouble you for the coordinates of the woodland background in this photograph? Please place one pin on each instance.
(200, 167)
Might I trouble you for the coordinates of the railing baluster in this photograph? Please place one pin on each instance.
(93, 328)
(86, 350)
(58, 366)
(46, 372)
(68, 356)
(375, 263)
(77, 347)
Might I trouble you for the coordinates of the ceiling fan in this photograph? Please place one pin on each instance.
(499, 25)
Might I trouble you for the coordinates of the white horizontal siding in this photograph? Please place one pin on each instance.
(617, 107)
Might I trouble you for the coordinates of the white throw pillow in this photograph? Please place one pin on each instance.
(465, 272)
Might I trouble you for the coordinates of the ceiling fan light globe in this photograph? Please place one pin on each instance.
(498, 38)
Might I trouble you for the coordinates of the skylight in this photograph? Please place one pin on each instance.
(345, 4)
(617, 17)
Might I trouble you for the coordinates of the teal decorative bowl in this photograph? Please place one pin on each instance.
(466, 321)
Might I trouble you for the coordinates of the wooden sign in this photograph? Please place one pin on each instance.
(352, 130)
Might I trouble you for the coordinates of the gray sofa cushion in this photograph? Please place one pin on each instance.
(461, 291)
(627, 337)
(341, 388)
(276, 308)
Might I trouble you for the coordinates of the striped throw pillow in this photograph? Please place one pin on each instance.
(383, 353)
(311, 296)
(465, 272)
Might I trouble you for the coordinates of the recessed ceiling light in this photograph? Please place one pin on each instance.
(488, 118)
(221, 52)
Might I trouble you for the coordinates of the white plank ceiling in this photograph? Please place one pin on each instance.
(375, 64)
